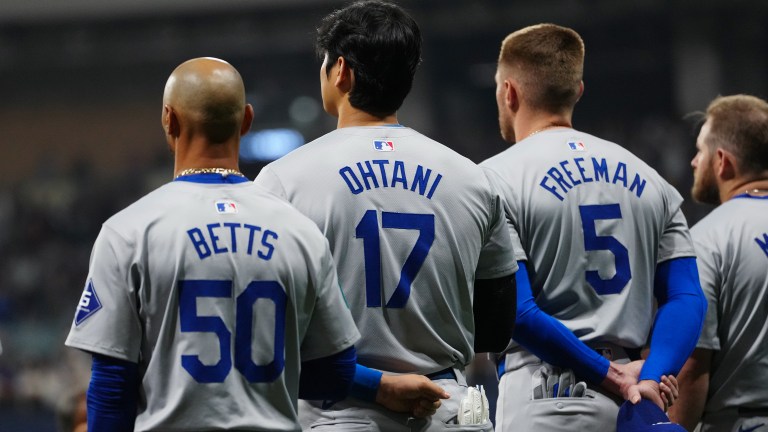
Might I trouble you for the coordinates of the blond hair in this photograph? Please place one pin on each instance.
(739, 124)
(548, 62)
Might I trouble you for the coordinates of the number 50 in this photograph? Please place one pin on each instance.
(190, 321)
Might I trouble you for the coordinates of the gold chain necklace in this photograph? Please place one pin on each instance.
(223, 171)
(543, 129)
(756, 192)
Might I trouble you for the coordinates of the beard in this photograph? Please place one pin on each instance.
(704, 188)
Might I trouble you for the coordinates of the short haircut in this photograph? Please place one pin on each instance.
(381, 43)
(547, 60)
(220, 120)
(739, 124)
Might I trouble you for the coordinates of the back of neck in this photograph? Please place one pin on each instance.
(352, 117)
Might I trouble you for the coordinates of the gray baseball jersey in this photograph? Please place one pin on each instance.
(218, 291)
(411, 224)
(594, 221)
(732, 247)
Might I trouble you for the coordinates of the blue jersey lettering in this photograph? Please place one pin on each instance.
(270, 247)
(621, 174)
(217, 238)
(561, 177)
(601, 168)
(378, 173)
(399, 175)
(349, 177)
(569, 174)
(367, 173)
(582, 170)
(381, 163)
(552, 189)
(763, 244)
(198, 241)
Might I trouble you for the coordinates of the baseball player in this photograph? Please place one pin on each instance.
(412, 225)
(604, 237)
(723, 383)
(205, 297)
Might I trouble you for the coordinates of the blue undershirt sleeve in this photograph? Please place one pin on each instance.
(328, 378)
(366, 383)
(112, 394)
(682, 307)
(549, 339)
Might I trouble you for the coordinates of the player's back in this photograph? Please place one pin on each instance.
(406, 219)
(732, 247)
(225, 279)
(594, 220)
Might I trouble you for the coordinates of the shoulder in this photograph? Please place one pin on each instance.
(722, 218)
(282, 211)
(144, 208)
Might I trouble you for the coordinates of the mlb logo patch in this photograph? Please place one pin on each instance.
(383, 146)
(89, 304)
(576, 145)
(226, 207)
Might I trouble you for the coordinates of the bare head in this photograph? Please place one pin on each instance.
(204, 98)
(732, 148)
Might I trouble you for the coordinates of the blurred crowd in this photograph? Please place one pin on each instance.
(48, 222)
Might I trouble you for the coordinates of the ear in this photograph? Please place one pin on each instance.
(511, 95)
(581, 90)
(345, 76)
(247, 120)
(725, 165)
(170, 121)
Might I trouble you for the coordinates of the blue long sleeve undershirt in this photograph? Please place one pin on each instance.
(366, 383)
(549, 339)
(112, 394)
(679, 319)
(113, 390)
(328, 378)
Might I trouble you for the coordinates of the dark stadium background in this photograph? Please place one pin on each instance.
(81, 83)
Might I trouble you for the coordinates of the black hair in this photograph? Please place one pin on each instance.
(381, 43)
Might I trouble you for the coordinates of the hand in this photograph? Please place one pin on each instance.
(669, 390)
(621, 377)
(413, 394)
(646, 389)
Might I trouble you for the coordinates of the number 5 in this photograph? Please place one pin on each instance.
(593, 242)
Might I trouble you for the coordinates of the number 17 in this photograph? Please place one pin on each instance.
(368, 230)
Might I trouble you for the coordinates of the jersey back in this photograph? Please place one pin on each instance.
(594, 221)
(732, 249)
(217, 291)
(411, 224)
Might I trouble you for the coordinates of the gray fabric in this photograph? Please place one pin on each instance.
(145, 251)
(353, 415)
(548, 180)
(517, 410)
(346, 182)
(733, 269)
(730, 420)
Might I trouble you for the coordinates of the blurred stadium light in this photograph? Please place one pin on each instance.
(269, 144)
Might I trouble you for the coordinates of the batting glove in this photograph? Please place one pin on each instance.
(473, 409)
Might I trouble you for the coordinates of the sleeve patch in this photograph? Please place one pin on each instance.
(89, 304)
